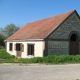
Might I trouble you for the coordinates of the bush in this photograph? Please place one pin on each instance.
(5, 55)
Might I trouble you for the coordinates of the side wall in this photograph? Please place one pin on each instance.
(39, 47)
(58, 40)
(58, 47)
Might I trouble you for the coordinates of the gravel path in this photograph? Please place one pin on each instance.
(39, 72)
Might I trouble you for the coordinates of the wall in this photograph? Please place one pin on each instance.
(60, 36)
(58, 47)
(39, 47)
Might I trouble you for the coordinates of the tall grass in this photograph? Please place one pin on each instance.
(44, 60)
(5, 55)
(52, 59)
(62, 59)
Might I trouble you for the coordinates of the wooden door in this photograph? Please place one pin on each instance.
(74, 45)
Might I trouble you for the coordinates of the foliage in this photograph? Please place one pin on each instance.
(10, 29)
(62, 59)
(5, 55)
(6, 60)
(2, 38)
(1, 31)
(6, 32)
(52, 59)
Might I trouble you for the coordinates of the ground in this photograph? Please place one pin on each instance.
(39, 72)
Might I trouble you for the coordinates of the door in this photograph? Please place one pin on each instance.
(19, 47)
(74, 45)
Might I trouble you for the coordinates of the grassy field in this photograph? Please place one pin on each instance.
(7, 58)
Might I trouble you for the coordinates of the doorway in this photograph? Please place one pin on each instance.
(74, 44)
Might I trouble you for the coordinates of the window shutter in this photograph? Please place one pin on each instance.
(22, 47)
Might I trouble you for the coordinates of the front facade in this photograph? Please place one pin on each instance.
(62, 39)
(26, 49)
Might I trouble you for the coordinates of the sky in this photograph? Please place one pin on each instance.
(21, 12)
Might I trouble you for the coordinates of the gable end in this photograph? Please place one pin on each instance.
(71, 23)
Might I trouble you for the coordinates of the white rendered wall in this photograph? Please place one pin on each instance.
(39, 47)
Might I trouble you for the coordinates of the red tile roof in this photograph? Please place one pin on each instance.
(40, 29)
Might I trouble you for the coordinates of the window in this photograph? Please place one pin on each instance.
(10, 47)
(17, 47)
(30, 49)
(73, 37)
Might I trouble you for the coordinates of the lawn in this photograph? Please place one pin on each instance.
(62, 59)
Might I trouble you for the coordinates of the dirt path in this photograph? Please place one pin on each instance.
(39, 72)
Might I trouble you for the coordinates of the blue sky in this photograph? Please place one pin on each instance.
(21, 12)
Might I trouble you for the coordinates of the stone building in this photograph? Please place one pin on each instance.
(57, 35)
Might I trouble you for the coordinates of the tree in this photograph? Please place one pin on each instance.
(2, 38)
(1, 30)
(6, 32)
(10, 29)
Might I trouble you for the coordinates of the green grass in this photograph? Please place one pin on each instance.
(46, 60)
(52, 59)
(62, 59)
(5, 55)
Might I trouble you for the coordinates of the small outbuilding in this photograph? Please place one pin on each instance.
(57, 35)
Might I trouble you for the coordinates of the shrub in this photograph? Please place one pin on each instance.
(5, 55)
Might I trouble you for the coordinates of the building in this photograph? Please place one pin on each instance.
(57, 35)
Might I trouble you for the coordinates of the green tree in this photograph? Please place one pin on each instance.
(10, 29)
(1, 30)
(2, 38)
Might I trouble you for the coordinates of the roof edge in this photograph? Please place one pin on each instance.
(25, 40)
